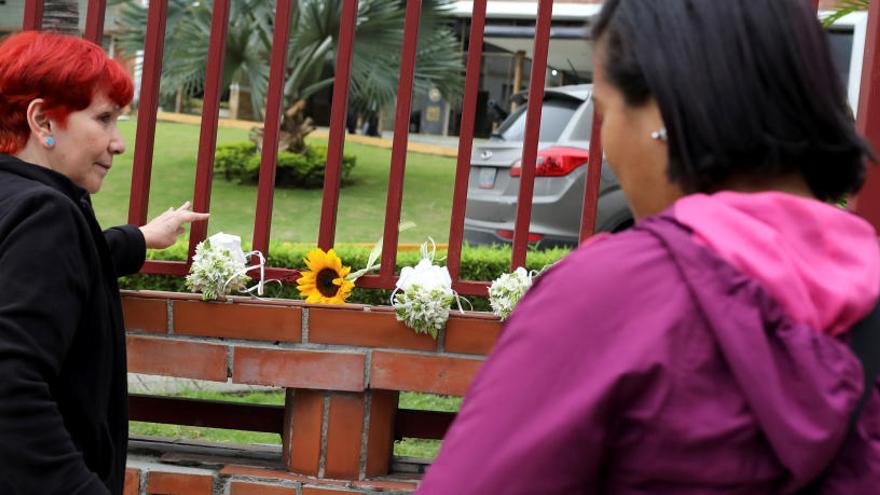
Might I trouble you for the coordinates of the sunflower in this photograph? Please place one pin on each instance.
(324, 282)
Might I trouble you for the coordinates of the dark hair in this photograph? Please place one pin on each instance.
(745, 88)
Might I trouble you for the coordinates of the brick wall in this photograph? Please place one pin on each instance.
(343, 367)
(349, 348)
(159, 479)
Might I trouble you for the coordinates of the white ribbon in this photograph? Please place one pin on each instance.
(261, 283)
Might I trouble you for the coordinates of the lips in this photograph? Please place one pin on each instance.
(104, 166)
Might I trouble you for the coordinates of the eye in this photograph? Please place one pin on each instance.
(105, 117)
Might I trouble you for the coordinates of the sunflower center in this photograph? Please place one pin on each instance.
(324, 282)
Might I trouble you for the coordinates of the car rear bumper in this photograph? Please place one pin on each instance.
(483, 233)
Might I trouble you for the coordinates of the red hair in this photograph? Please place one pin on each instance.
(65, 71)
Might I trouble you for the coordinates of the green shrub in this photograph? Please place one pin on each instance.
(241, 163)
(231, 159)
(477, 263)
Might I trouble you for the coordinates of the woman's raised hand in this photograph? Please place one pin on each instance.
(163, 230)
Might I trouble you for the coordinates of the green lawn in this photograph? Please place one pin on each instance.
(427, 191)
(409, 447)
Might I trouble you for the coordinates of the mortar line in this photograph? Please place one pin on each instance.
(305, 326)
(365, 435)
(325, 425)
(169, 304)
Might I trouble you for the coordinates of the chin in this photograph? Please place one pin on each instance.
(92, 186)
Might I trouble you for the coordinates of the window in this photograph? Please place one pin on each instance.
(555, 115)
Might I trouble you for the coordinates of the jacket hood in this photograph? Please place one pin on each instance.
(820, 263)
(801, 384)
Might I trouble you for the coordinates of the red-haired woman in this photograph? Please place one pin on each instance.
(63, 399)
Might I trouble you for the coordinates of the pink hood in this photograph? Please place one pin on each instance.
(820, 263)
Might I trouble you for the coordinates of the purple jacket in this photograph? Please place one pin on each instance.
(647, 363)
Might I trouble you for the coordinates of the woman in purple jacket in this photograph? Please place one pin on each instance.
(703, 351)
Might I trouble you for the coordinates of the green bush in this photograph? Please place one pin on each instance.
(231, 159)
(477, 263)
(240, 162)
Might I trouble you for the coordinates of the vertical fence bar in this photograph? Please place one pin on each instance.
(401, 137)
(338, 112)
(33, 15)
(594, 177)
(210, 119)
(95, 21)
(274, 100)
(148, 105)
(868, 123)
(466, 138)
(532, 135)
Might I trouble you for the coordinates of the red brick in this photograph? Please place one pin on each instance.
(314, 490)
(132, 484)
(159, 356)
(384, 485)
(299, 369)
(362, 328)
(302, 431)
(247, 488)
(145, 315)
(417, 373)
(345, 425)
(471, 335)
(160, 483)
(380, 437)
(238, 321)
(271, 474)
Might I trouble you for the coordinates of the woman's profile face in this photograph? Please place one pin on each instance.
(85, 145)
(639, 161)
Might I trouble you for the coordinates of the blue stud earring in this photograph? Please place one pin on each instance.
(50, 141)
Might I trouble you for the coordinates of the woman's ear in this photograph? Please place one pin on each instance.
(39, 122)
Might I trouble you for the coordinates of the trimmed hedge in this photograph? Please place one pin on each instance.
(477, 263)
(240, 162)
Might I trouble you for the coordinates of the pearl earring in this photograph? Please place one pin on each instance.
(50, 141)
(660, 135)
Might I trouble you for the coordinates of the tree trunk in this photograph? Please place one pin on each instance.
(295, 126)
(61, 16)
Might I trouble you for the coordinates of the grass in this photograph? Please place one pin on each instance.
(427, 196)
(408, 447)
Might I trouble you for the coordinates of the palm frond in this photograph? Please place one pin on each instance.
(843, 8)
(311, 50)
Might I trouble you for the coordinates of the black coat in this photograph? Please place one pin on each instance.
(63, 396)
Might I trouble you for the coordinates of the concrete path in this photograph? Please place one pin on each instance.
(417, 143)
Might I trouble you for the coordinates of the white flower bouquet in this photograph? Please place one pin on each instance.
(506, 291)
(424, 295)
(219, 267)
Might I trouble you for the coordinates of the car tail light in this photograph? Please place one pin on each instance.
(554, 162)
(508, 234)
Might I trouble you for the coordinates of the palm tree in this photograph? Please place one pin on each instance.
(311, 50)
(61, 16)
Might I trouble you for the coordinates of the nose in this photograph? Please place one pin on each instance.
(117, 144)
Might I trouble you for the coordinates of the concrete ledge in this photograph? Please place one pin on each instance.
(204, 468)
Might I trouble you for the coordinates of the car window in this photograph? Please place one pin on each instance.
(584, 125)
(555, 115)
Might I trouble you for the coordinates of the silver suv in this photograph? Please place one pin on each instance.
(493, 186)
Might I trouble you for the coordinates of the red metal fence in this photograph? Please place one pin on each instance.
(386, 278)
(869, 123)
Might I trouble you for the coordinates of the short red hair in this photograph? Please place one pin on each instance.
(65, 71)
